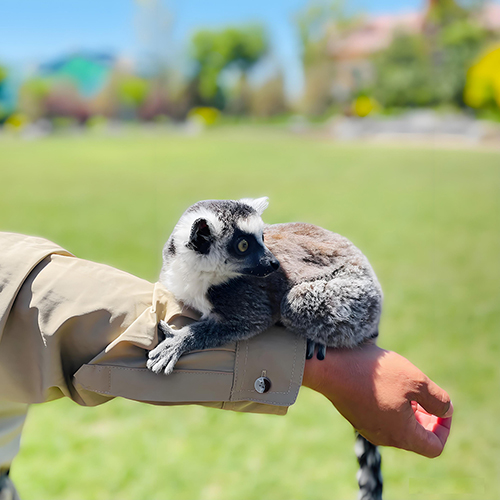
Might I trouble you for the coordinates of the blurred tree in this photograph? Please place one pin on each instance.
(215, 51)
(461, 41)
(105, 103)
(269, 99)
(312, 24)
(429, 69)
(425, 68)
(237, 92)
(33, 95)
(443, 12)
(64, 101)
(125, 95)
(403, 74)
(318, 93)
(156, 103)
(132, 90)
(317, 24)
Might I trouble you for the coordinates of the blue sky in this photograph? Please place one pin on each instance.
(33, 31)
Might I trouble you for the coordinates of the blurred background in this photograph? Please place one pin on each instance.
(378, 120)
(165, 62)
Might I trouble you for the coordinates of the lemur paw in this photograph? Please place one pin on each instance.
(311, 346)
(166, 354)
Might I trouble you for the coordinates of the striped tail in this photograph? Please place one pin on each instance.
(7, 489)
(369, 475)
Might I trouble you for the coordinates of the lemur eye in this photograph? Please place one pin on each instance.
(243, 245)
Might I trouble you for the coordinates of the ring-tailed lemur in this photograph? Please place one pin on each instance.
(312, 281)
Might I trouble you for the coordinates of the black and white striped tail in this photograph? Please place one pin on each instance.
(369, 475)
(7, 489)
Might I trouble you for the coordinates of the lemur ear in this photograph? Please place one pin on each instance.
(201, 237)
(259, 204)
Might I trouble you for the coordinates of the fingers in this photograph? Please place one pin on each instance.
(442, 429)
(449, 413)
(430, 433)
(433, 399)
(432, 418)
(427, 443)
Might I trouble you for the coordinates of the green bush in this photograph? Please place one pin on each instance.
(428, 69)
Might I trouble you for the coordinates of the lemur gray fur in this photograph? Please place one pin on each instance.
(312, 281)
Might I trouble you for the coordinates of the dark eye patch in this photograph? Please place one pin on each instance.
(242, 244)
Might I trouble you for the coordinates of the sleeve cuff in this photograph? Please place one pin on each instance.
(222, 378)
(277, 355)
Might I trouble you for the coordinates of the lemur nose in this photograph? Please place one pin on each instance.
(275, 264)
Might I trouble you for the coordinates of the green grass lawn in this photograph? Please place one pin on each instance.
(429, 221)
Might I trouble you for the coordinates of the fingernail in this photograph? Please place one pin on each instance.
(449, 413)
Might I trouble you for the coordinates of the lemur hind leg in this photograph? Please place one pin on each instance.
(321, 352)
(335, 311)
(311, 347)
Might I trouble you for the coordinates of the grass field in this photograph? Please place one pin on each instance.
(429, 221)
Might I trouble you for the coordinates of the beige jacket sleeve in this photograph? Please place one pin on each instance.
(74, 328)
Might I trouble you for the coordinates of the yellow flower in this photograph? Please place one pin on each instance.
(206, 115)
(16, 122)
(483, 80)
(364, 105)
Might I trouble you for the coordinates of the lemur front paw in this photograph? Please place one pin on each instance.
(166, 354)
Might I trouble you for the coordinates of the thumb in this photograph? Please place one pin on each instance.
(433, 399)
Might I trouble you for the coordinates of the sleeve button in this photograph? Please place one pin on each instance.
(262, 385)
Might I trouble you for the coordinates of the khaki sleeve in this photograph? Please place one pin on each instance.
(221, 378)
(82, 330)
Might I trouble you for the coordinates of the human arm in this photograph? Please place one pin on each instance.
(75, 328)
(80, 329)
(385, 397)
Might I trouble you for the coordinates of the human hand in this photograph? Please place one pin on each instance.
(385, 397)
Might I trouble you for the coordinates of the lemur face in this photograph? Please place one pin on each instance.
(223, 238)
(248, 254)
(229, 234)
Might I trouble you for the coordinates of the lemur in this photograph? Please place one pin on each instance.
(310, 280)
